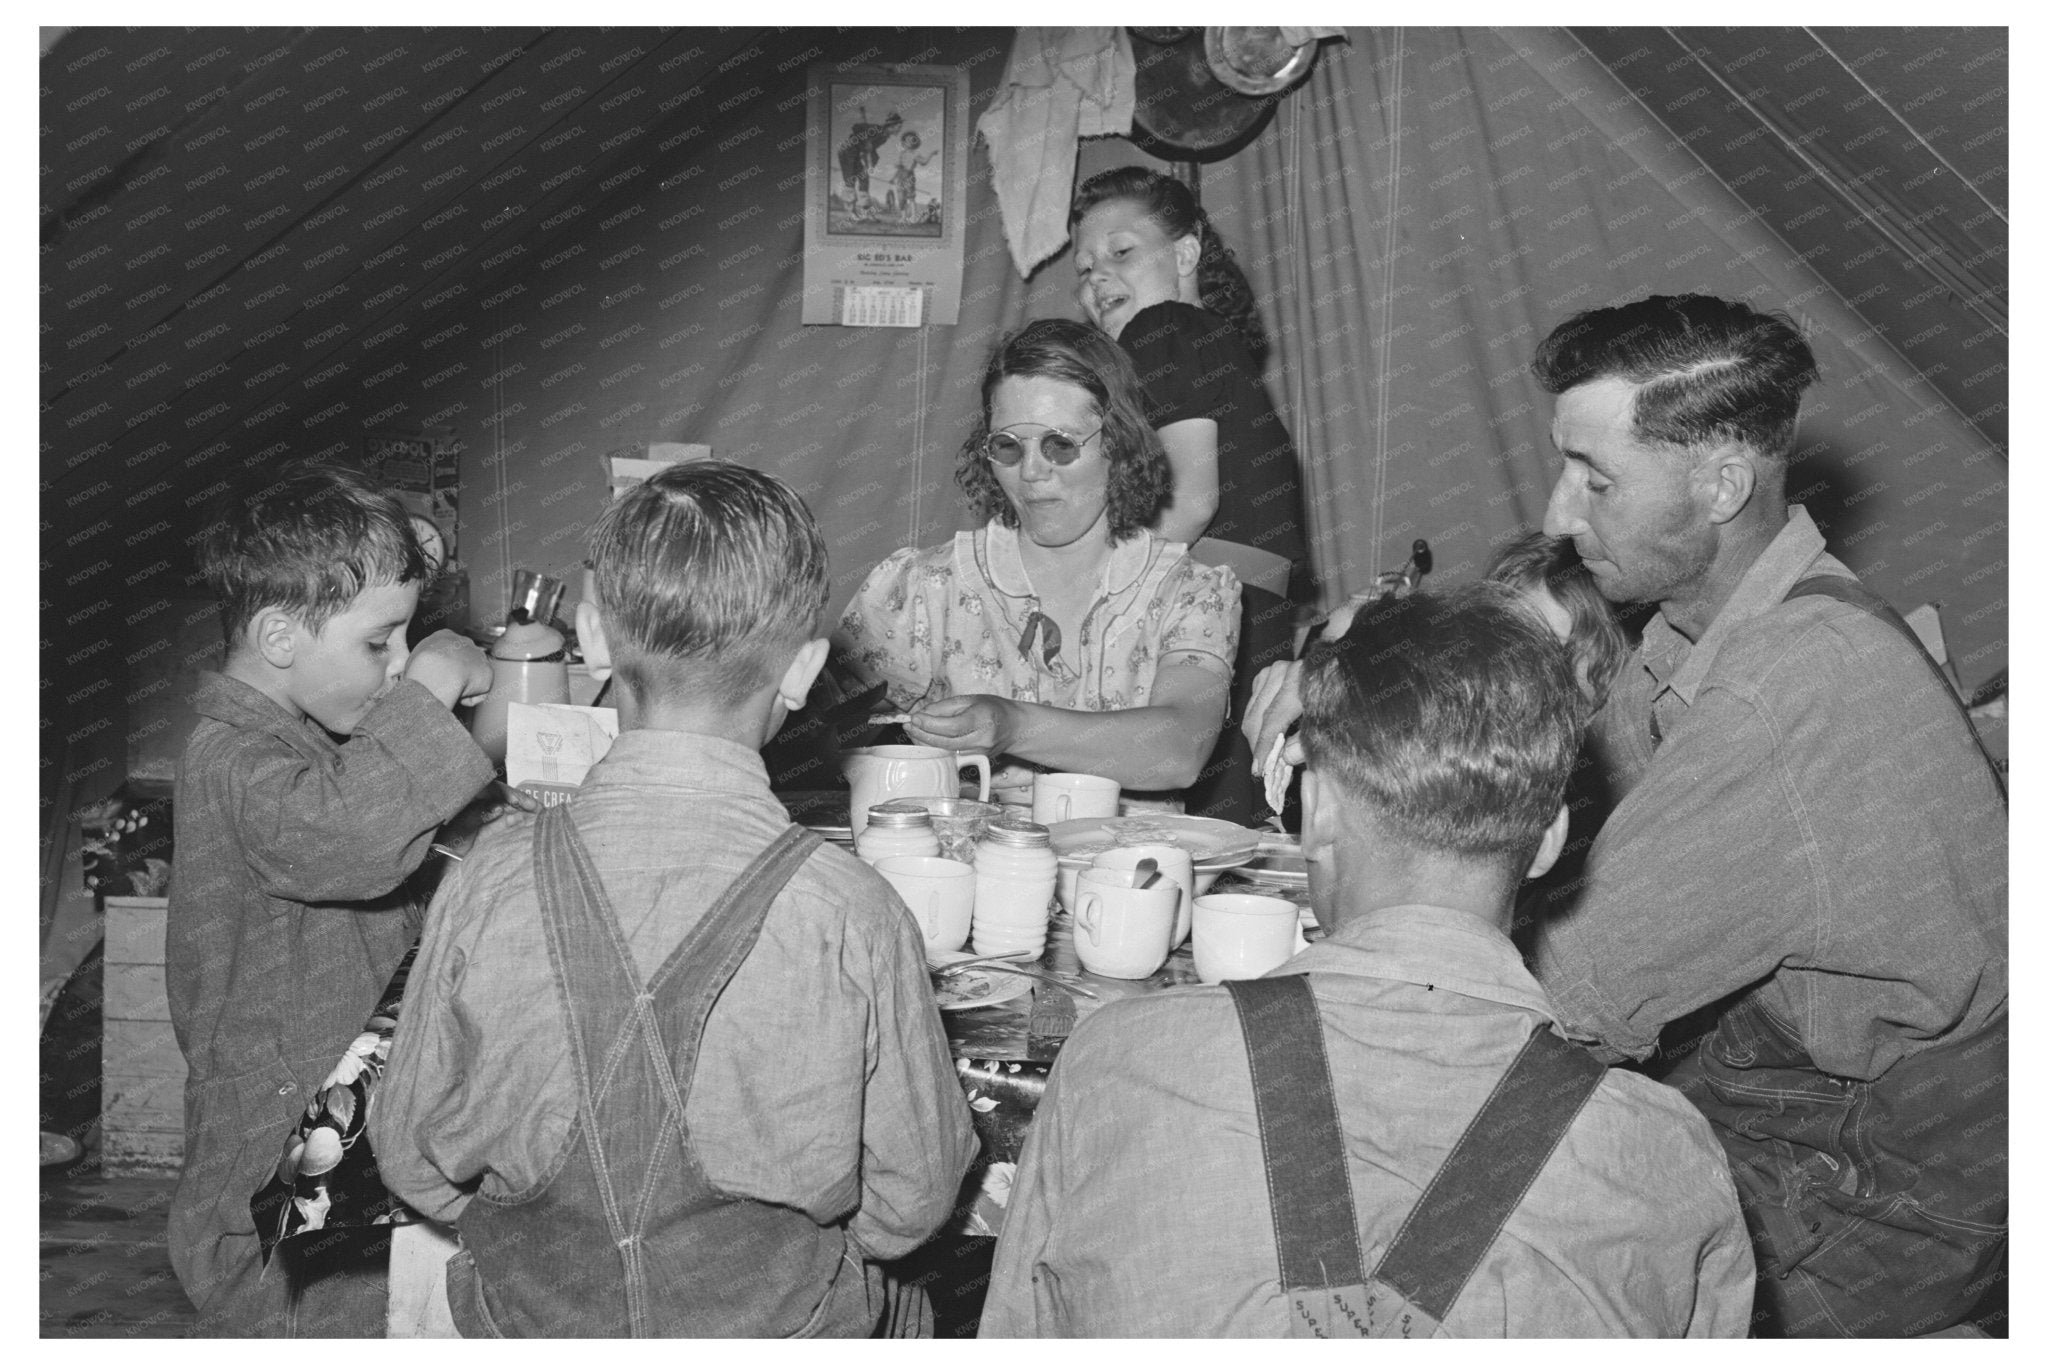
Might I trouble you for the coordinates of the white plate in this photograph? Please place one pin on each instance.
(973, 988)
(1277, 863)
(1213, 844)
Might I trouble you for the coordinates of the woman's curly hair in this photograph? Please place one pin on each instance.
(1075, 353)
(1224, 289)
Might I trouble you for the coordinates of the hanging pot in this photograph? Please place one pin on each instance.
(1257, 61)
(1183, 113)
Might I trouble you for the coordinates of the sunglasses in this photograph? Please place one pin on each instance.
(1007, 448)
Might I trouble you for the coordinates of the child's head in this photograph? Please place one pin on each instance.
(318, 572)
(1552, 581)
(308, 541)
(711, 584)
(911, 142)
(1450, 716)
(1134, 207)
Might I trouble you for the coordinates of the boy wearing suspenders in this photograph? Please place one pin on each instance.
(1386, 1136)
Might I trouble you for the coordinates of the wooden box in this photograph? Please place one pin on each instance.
(142, 1073)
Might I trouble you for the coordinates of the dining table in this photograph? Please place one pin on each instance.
(1003, 1070)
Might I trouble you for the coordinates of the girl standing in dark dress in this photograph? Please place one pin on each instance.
(1155, 275)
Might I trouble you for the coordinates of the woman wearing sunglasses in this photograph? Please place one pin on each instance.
(1155, 275)
(1062, 635)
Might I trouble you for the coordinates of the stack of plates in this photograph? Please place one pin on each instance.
(823, 812)
(1278, 862)
(1214, 845)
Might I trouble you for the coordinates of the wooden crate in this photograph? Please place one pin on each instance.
(142, 1073)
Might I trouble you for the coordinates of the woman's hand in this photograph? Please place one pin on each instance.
(1275, 705)
(974, 721)
(1276, 693)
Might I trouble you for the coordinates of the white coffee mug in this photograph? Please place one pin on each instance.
(939, 893)
(1175, 865)
(1072, 796)
(1240, 937)
(1120, 930)
(1069, 884)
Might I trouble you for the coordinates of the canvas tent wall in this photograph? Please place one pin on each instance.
(554, 243)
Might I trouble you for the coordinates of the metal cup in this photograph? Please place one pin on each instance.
(536, 594)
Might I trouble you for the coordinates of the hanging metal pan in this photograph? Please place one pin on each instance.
(1183, 113)
(1257, 61)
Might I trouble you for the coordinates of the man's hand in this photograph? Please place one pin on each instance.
(975, 721)
(451, 667)
(1275, 705)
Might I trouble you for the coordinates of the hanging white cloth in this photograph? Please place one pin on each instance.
(1061, 85)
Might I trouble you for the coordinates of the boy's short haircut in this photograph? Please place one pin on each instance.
(1453, 715)
(308, 540)
(708, 574)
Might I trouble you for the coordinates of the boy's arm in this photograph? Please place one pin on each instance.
(353, 831)
(917, 1137)
(429, 1062)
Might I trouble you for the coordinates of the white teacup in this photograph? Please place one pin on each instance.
(1175, 865)
(1120, 930)
(1072, 796)
(1240, 937)
(940, 894)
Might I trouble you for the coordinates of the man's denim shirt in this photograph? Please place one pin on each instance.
(1815, 814)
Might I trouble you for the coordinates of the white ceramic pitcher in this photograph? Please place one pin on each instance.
(887, 771)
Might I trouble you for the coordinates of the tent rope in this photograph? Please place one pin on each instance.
(1383, 381)
(1958, 279)
(1885, 104)
(1293, 365)
(917, 434)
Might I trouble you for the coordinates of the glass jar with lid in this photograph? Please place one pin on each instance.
(897, 829)
(1015, 874)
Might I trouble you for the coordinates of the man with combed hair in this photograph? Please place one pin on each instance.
(1807, 836)
(1242, 1159)
(671, 1067)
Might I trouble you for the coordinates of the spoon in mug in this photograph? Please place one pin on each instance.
(1146, 874)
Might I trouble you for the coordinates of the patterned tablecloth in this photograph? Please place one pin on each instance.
(1004, 1074)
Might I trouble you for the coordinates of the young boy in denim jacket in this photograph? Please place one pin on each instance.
(325, 759)
(671, 1066)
